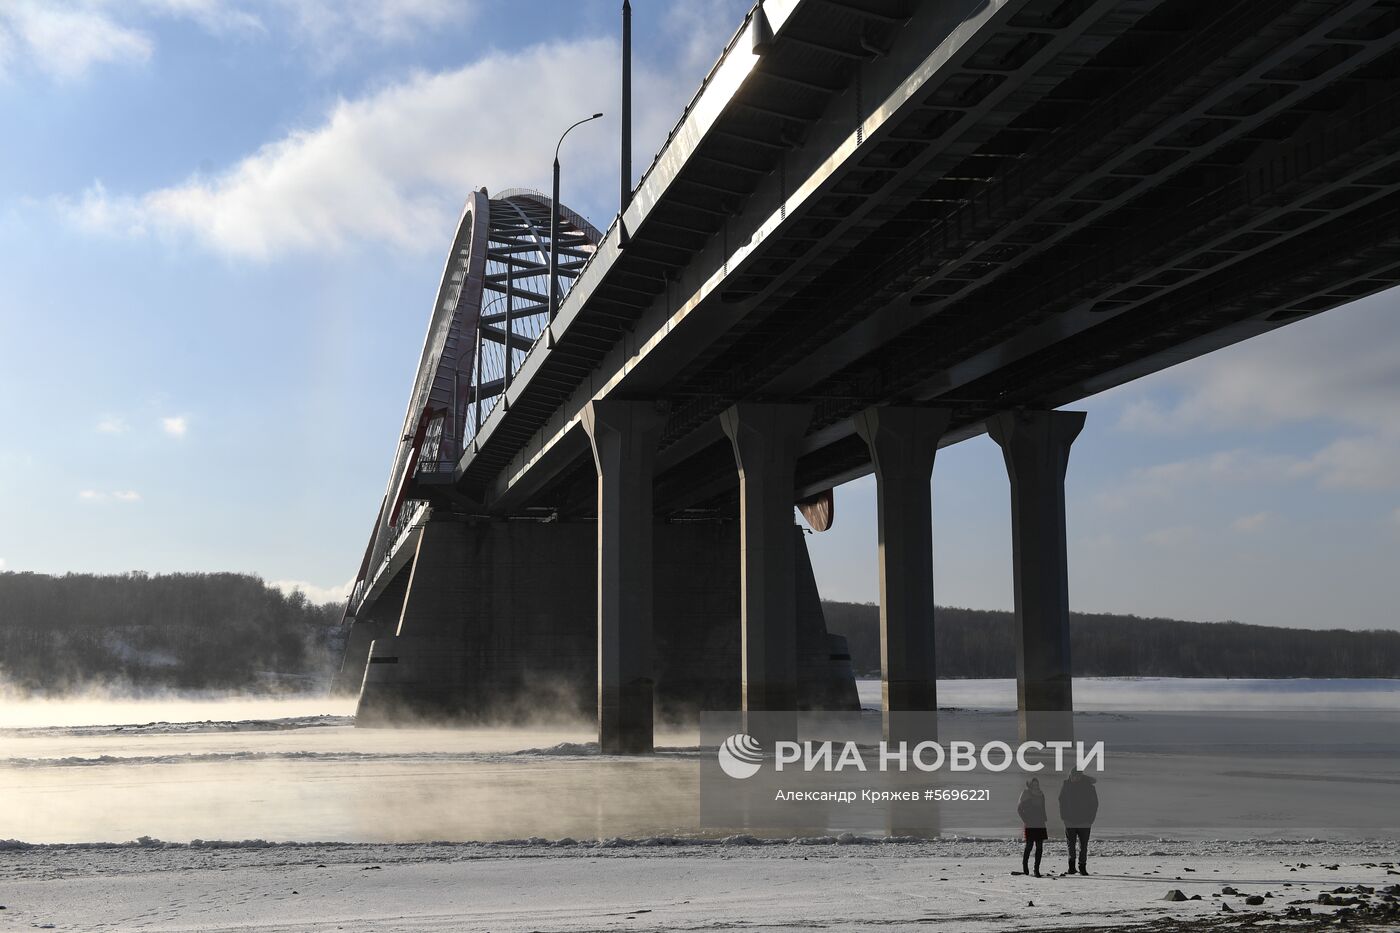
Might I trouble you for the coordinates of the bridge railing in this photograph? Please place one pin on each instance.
(436, 467)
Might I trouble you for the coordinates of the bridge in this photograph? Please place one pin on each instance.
(880, 227)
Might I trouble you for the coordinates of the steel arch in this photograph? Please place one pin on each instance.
(490, 310)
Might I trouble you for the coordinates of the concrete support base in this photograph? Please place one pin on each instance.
(765, 439)
(497, 624)
(1035, 446)
(623, 435)
(903, 442)
(500, 624)
(377, 620)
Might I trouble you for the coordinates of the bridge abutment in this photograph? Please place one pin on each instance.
(490, 630)
(903, 443)
(500, 623)
(1035, 446)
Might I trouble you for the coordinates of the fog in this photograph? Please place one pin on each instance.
(103, 768)
(318, 778)
(116, 709)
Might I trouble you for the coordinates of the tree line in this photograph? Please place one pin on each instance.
(186, 631)
(981, 643)
(231, 631)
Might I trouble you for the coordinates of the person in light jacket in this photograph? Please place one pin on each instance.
(1031, 809)
(1079, 804)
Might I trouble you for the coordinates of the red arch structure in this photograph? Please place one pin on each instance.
(490, 311)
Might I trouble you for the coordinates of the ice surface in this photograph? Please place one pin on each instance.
(198, 815)
(1148, 693)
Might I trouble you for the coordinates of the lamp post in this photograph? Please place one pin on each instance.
(554, 223)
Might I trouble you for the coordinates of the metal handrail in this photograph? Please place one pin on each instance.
(436, 466)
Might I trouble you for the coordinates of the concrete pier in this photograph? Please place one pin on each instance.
(1035, 446)
(488, 630)
(765, 439)
(903, 442)
(500, 623)
(623, 435)
(377, 620)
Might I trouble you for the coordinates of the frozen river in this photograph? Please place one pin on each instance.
(298, 770)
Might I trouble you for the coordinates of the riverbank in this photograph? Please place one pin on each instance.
(660, 884)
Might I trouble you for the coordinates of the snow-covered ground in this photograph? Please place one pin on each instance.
(948, 885)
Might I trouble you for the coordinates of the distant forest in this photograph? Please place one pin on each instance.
(226, 631)
(977, 643)
(183, 631)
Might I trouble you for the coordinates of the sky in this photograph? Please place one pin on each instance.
(222, 225)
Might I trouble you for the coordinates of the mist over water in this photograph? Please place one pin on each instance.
(181, 768)
(101, 709)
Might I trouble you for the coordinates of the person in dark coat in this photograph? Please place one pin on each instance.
(1031, 809)
(1079, 804)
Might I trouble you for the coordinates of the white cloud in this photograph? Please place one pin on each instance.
(317, 594)
(700, 30)
(112, 425)
(1357, 463)
(120, 495)
(392, 167)
(95, 212)
(7, 49)
(175, 426)
(67, 38)
(64, 40)
(2, 563)
(1248, 523)
(379, 169)
(1228, 466)
(218, 17)
(332, 28)
(1173, 537)
(1339, 367)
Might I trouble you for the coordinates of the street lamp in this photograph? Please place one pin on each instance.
(554, 223)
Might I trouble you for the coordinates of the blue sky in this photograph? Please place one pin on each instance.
(222, 223)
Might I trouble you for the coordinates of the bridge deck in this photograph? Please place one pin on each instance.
(990, 205)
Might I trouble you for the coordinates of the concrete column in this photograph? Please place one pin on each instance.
(765, 439)
(1035, 445)
(624, 436)
(902, 444)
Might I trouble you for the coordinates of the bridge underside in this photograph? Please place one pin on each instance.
(884, 227)
(1080, 194)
